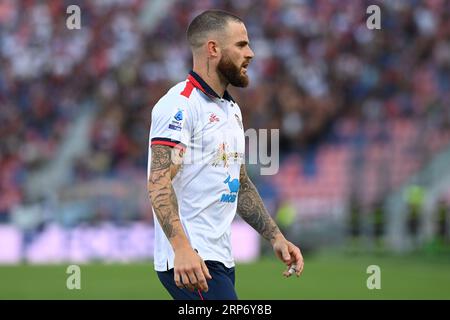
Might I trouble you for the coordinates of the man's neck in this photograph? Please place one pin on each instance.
(212, 79)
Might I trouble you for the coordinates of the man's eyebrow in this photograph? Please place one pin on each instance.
(242, 43)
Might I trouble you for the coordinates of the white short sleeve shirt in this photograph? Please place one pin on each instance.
(191, 116)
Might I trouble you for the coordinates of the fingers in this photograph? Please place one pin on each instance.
(296, 265)
(202, 284)
(298, 261)
(285, 254)
(193, 278)
(186, 281)
(300, 268)
(182, 279)
(205, 270)
(286, 273)
(177, 279)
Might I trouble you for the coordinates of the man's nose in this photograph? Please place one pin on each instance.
(250, 54)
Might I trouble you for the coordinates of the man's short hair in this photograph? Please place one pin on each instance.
(208, 21)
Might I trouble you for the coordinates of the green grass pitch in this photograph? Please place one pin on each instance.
(326, 276)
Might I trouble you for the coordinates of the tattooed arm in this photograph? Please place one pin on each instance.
(163, 196)
(189, 270)
(251, 208)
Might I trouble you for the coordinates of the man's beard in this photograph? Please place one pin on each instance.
(228, 70)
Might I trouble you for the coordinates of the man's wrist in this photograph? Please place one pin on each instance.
(278, 236)
(181, 245)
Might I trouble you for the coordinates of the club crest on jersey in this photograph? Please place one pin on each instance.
(239, 121)
(221, 155)
(213, 118)
(224, 157)
(233, 186)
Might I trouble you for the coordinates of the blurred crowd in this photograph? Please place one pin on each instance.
(319, 75)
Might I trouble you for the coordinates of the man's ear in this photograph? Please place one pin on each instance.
(213, 49)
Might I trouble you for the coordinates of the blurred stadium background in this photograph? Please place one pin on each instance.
(364, 119)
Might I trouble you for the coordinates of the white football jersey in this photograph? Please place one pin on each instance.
(191, 116)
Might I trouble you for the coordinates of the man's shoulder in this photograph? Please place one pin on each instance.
(174, 93)
(182, 92)
(172, 97)
(176, 99)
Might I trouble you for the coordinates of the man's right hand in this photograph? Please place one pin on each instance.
(190, 271)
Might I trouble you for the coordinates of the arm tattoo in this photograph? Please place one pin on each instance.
(161, 191)
(251, 208)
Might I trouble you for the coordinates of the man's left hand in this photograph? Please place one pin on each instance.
(289, 253)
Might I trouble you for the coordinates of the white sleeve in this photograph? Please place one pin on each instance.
(172, 122)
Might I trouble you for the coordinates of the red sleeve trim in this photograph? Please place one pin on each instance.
(172, 144)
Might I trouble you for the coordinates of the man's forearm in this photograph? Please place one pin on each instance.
(164, 203)
(251, 208)
(162, 195)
